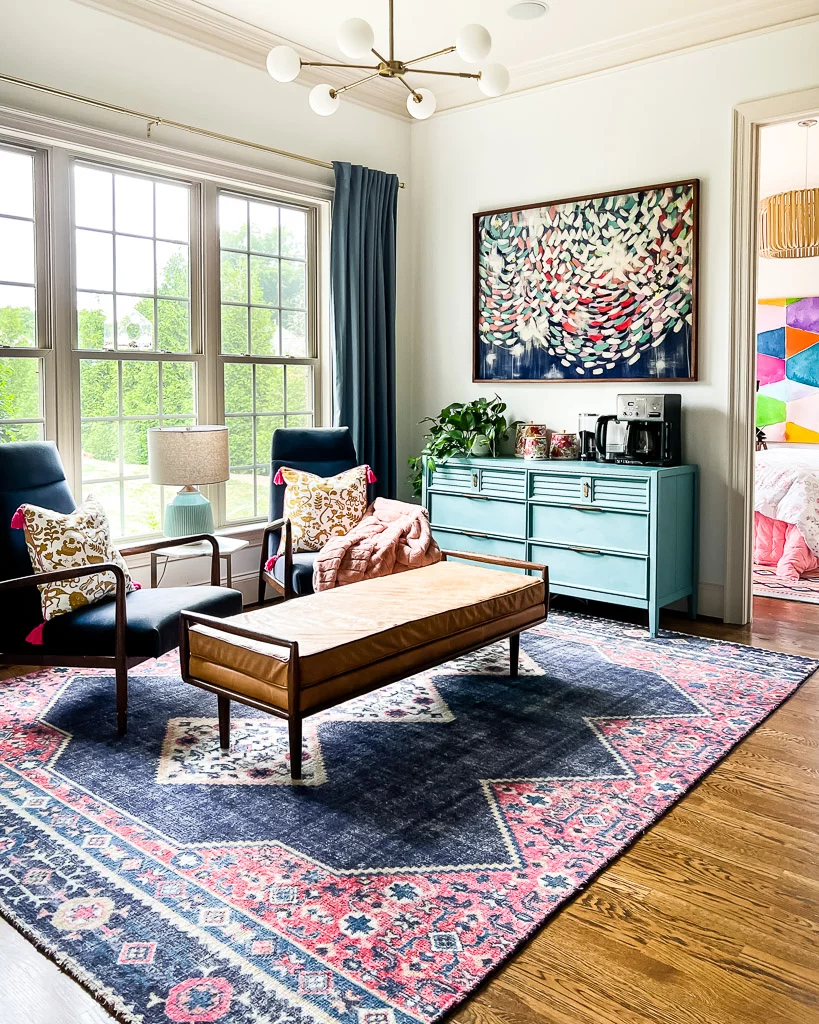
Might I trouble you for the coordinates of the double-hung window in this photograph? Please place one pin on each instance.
(137, 367)
(23, 333)
(133, 298)
(267, 353)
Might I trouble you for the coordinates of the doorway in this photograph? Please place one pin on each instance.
(750, 178)
(786, 459)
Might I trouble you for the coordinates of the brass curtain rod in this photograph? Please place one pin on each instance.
(152, 120)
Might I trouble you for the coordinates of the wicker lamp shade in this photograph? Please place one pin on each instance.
(789, 224)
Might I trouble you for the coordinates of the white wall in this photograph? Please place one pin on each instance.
(782, 167)
(665, 120)
(81, 50)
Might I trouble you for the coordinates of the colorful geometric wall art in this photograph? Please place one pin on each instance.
(597, 287)
(787, 368)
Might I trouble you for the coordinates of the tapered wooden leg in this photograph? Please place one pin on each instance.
(514, 654)
(223, 704)
(121, 675)
(294, 731)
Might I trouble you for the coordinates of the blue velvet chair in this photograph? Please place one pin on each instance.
(323, 452)
(118, 632)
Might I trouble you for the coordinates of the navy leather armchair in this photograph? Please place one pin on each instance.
(323, 452)
(116, 633)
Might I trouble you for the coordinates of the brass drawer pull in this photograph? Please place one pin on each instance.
(584, 550)
(474, 479)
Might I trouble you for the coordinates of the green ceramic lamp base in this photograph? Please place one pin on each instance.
(188, 514)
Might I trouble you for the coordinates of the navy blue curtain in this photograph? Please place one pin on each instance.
(362, 272)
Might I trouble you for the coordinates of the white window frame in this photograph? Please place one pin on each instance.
(44, 348)
(57, 145)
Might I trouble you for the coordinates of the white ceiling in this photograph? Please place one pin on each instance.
(786, 152)
(575, 37)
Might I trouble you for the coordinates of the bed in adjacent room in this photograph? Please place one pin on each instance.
(786, 524)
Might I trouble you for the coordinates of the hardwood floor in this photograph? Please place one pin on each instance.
(712, 917)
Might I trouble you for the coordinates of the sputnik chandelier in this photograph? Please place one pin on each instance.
(356, 40)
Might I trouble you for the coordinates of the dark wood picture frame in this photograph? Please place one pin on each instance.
(694, 183)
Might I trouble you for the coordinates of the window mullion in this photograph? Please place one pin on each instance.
(61, 321)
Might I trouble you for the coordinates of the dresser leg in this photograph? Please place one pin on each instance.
(653, 619)
(514, 655)
(692, 605)
(294, 731)
(223, 704)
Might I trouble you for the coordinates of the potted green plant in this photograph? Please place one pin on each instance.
(459, 430)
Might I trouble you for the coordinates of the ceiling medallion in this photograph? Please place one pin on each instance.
(789, 221)
(356, 39)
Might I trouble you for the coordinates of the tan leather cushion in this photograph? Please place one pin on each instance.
(341, 632)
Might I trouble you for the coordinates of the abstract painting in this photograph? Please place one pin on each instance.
(599, 287)
(787, 368)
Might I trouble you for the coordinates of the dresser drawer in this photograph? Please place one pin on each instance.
(452, 540)
(472, 513)
(502, 483)
(593, 570)
(564, 488)
(592, 527)
(453, 476)
(620, 492)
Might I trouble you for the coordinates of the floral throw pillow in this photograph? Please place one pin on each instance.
(57, 540)
(323, 507)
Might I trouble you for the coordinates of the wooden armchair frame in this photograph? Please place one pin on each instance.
(284, 589)
(119, 661)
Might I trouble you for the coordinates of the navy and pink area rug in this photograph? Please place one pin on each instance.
(440, 821)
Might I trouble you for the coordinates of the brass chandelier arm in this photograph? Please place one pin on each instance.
(352, 85)
(429, 56)
(324, 64)
(446, 74)
(382, 59)
(406, 84)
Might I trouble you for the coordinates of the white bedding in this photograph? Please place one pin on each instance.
(787, 488)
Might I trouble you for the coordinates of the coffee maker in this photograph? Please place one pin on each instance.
(586, 427)
(646, 431)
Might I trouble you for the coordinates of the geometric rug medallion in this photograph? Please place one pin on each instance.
(439, 823)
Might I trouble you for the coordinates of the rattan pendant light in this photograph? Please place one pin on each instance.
(789, 221)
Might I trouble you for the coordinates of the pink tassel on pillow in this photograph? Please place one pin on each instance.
(36, 635)
(278, 479)
(371, 477)
(18, 520)
(268, 565)
(135, 585)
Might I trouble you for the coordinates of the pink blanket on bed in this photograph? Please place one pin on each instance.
(781, 544)
(393, 536)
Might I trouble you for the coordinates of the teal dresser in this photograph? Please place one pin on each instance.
(623, 534)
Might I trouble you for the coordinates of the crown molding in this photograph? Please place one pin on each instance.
(200, 25)
(203, 26)
(696, 31)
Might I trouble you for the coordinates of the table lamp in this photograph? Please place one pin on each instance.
(187, 457)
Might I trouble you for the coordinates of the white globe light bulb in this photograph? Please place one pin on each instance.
(283, 63)
(423, 108)
(355, 38)
(473, 43)
(494, 80)
(324, 100)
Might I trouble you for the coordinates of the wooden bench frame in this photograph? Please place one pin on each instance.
(294, 716)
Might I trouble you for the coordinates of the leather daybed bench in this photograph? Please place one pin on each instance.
(298, 657)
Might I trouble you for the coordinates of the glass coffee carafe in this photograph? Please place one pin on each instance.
(586, 426)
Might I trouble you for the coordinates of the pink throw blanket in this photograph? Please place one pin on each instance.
(393, 536)
(781, 544)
